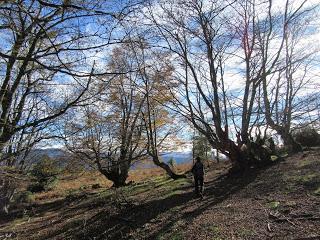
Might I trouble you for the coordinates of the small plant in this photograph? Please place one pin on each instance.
(172, 236)
(244, 232)
(83, 187)
(45, 175)
(25, 197)
(215, 230)
(273, 204)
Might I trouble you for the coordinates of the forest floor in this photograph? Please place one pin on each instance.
(278, 202)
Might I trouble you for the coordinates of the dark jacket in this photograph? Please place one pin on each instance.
(198, 169)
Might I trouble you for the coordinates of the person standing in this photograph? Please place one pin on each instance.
(198, 174)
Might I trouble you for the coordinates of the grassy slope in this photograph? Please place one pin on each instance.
(281, 202)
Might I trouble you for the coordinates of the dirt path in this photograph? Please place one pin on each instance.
(280, 202)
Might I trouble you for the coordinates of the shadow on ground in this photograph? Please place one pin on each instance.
(121, 222)
(135, 219)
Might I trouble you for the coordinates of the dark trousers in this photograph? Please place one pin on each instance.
(198, 184)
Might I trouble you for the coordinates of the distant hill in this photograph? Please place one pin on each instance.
(178, 157)
(55, 153)
(51, 152)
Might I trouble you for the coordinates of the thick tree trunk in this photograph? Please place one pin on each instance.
(239, 161)
(233, 152)
(120, 181)
(117, 175)
(290, 143)
(118, 178)
(246, 155)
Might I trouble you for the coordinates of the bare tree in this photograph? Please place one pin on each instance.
(285, 67)
(46, 63)
(195, 33)
(158, 119)
(204, 39)
(110, 137)
(242, 26)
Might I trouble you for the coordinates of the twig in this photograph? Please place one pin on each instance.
(269, 227)
(278, 219)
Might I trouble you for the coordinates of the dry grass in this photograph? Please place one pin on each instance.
(143, 174)
(70, 183)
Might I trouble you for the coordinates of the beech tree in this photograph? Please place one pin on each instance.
(158, 119)
(110, 137)
(206, 41)
(195, 34)
(46, 64)
(286, 61)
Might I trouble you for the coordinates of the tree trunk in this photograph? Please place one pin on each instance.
(120, 181)
(217, 156)
(231, 149)
(290, 143)
(117, 175)
(167, 168)
(7, 192)
(239, 162)
(247, 155)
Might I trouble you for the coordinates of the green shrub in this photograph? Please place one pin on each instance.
(307, 137)
(45, 175)
(25, 197)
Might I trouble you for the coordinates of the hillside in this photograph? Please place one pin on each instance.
(279, 202)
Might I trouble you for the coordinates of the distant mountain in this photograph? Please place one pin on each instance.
(37, 155)
(178, 157)
(51, 152)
